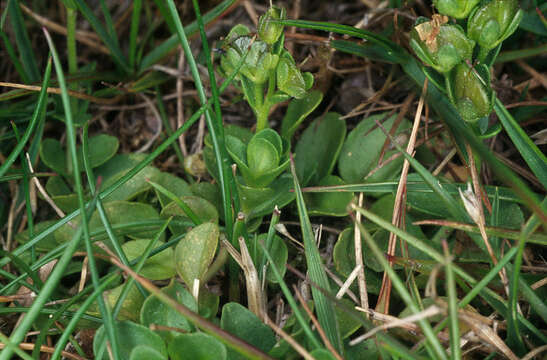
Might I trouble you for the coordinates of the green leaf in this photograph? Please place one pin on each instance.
(53, 155)
(534, 157)
(325, 308)
(174, 184)
(158, 267)
(329, 204)
(143, 352)
(117, 167)
(203, 209)
(278, 251)
(297, 111)
(101, 149)
(194, 253)
(318, 148)
(131, 305)
(56, 186)
(196, 346)
(154, 311)
(241, 322)
(256, 202)
(118, 212)
(130, 335)
(262, 156)
(290, 79)
(361, 151)
(344, 260)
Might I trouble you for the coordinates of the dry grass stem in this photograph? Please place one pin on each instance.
(360, 265)
(398, 210)
(47, 350)
(295, 345)
(396, 322)
(57, 91)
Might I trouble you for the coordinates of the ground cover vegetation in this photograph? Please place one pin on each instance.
(286, 179)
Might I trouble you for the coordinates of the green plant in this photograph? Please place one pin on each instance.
(449, 50)
(269, 74)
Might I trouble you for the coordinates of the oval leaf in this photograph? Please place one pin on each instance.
(194, 253)
(196, 346)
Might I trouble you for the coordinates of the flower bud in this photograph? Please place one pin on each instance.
(458, 9)
(471, 95)
(439, 45)
(268, 31)
(494, 22)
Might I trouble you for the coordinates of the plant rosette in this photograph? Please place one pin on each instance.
(262, 160)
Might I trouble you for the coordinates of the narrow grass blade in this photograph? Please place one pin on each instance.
(148, 160)
(455, 350)
(490, 296)
(195, 219)
(50, 285)
(215, 129)
(13, 57)
(134, 31)
(534, 157)
(393, 50)
(292, 302)
(110, 42)
(38, 111)
(404, 294)
(24, 46)
(513, 333)
(71, 142)
(163, 49)
(325, 309)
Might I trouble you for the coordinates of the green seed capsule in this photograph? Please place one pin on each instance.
(494, 22)
(268, 31)
(458, 9)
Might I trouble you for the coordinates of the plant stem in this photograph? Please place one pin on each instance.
(71, 15)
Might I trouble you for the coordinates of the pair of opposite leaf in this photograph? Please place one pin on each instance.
(262, 160)
(449, 50)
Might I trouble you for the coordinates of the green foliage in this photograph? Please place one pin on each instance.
(238, 320)
(196, 346)
(354, 164)
(130, 336)
(154, 311)
(194, 253)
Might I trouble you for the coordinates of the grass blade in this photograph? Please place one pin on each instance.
(325, 309)
(38, 111)
(24, 46)
(160, 51)
(215, 129)
(71, 144)
(536, 160)
(110, 42)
